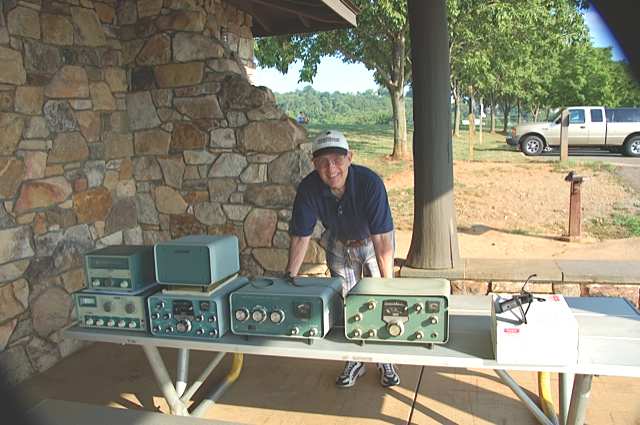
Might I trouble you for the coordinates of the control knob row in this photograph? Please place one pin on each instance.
(258, 315)
(123, 284)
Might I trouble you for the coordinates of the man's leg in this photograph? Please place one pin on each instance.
(340, 265)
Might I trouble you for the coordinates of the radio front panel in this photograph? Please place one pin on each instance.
(399, 311)
(273, 307)
(120, 268)
(100, 310)
(197, 260)
(191, 314)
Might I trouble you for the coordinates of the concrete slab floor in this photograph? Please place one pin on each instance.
(273, 390)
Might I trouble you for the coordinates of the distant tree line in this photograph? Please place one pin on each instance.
(368, 107)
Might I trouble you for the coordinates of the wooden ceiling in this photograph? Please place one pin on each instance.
(280, 17)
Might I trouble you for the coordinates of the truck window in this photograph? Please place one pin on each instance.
(576, 116)
(596, 115)
(626, 115)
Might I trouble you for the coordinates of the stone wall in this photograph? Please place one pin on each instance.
(129, 121)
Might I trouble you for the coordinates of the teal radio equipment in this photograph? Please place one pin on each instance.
(123, 311)
(191, 313)
(398, 310)
(197, 260)
(121, 268)
(302, 307)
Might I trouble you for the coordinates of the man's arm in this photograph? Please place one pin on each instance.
(297, 250)
(383, 246)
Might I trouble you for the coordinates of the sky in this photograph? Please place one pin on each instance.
(334, 75)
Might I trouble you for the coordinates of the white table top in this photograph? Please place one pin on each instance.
(609, 341)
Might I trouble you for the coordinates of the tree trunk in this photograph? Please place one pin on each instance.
(400, 148)
(456, 116)
(434, 243)
(506, 110)
(493, 117)
(519, 113)
(472, 124)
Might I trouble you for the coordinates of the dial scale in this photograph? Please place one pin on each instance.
(398, 310)
(96, 309)
(306, 308)
(191, 313)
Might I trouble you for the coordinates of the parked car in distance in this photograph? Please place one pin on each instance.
(612, 129)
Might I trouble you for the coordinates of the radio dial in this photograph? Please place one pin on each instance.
(89, 321)
(95, 282)
(133, 325)
(313, 332)
(107, 306)
(258, 315)
(99, 322)
(395, 328)
(295, 331)
(121, 323)
(124, 284)
(111, 323)
(240, 314)
(371, 305)
(130, 308)
(183, 326)
(276, 316)
(433, 320)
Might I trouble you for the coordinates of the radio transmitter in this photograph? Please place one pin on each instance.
(113, 311)
(398, 310)
(305, 307)
(192, 314)
(121, 268)
(197, 260)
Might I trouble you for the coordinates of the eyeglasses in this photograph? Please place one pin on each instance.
(325, 162)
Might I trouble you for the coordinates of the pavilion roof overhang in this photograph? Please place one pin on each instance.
(281, 17)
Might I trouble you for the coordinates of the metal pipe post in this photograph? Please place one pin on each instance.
(203, 376)
(565, 384)
(159, 369)
(182, 371)
(533, 408)
(579, 399)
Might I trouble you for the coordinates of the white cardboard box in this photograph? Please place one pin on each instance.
(550, 337)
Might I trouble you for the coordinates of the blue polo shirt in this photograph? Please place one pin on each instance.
(362, 211)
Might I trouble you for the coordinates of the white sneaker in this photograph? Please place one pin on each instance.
(388, 375)
(352, 371)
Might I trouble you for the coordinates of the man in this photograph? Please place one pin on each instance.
(351, 202)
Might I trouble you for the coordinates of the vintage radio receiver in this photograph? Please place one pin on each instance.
(304, 307)
(121, 268)
(192, 314)
(398, 310)
(197, 260)
(113, 311)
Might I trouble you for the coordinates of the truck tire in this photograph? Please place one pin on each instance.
(532, 145)
(632, 146)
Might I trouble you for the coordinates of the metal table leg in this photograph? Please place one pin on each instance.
(182, 371)
(579, 399)
(533, 408)
(565, 385)
(176, 405)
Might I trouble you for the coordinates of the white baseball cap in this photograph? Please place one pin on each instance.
(329, 141)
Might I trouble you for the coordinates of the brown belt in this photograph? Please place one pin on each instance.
(355, 243)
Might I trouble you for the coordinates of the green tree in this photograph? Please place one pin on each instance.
(380, 42)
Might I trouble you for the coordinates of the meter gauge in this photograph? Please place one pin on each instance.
(276, 316)
(302, 310)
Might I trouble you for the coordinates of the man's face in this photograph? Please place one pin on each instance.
(333, 169)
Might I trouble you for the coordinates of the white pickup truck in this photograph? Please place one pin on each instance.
(615, 129)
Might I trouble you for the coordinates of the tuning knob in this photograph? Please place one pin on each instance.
(155, 316)
(130, 308)
(199, 332)
(95, 282)
(433, 320)
(99, 322)
(276, 316)
(213, 319)
(434, 335)
(313, 332)
(183, 326)
(213, 333)
(166, 316)
(89, 322)
(111, 323)
(419, 335)
(357, 333)
(159, 305)
(417, 307)
(155, 329)
(124, 284)
(240, 314)
(371, 333)
(199, 318)
(107, 306)
(357, 317)
(371, 305)
(133, 325)
(258, 315)
(295, 331)
(122, 323)
(395, 328)
(169, 329)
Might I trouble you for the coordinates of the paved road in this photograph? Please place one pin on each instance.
(628, 168)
